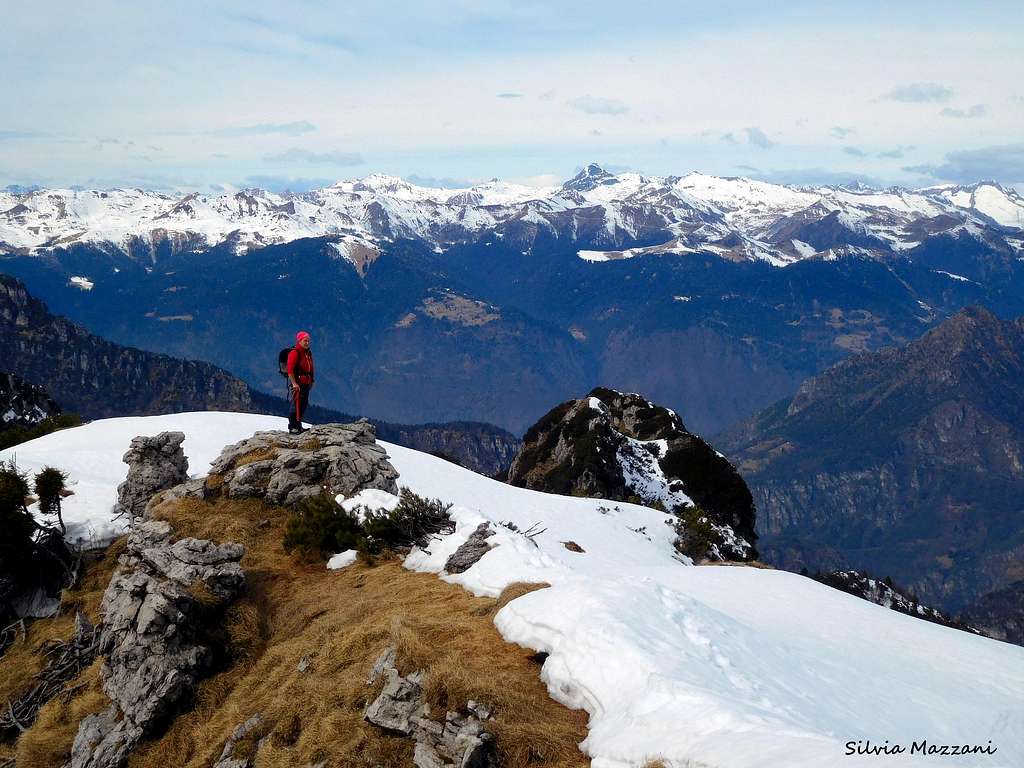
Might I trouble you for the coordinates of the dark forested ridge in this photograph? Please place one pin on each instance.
(907, 462)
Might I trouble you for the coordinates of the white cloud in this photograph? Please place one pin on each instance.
(978, 110)
(296, 155)
(920, 92)
(598, 105)
(759, 138)
(265, 129)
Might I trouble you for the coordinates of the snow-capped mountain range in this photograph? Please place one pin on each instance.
(609, 216)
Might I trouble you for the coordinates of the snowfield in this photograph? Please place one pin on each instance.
(719, 666)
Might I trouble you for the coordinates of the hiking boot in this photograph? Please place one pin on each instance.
(295, 430)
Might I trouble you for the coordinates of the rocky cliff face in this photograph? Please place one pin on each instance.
(23, 404)
(623, 447)
(907, 462)
(1000, 614)
(97, 378)
(483, 448)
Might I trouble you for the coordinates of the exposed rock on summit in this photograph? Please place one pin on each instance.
(475, 547)
(154, 464)
(885, 594)
(623, 447)
(151, 636)
(284, 469)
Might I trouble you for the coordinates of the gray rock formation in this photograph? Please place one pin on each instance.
(459, 742)
(475, 547)
(152, 611)
(22, 403)
(284, 469)
(154, 464)
(227, 757)
(623, 447)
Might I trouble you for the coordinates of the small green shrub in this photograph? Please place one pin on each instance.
(412, 523)
(16, 523)
(49, 487)
(320, 526)
(694, 533)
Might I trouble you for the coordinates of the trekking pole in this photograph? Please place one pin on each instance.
(296, 393)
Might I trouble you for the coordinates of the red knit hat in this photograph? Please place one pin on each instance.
(300, 336)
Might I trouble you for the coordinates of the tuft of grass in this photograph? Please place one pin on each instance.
(517, 589)
(260, 454)
(48, 742)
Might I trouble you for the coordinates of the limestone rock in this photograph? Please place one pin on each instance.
(622, 447)
(461, 741)
(475, 547)
(149, 635)
(227, 757)
(285, 469)
(154, 464)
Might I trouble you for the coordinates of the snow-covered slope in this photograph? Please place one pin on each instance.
(734, 217)
(717, 666)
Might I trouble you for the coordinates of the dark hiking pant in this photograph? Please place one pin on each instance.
(299, 401)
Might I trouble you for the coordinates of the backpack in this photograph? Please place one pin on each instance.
(282, 361)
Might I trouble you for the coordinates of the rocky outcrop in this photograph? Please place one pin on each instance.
(152, 636)
(907, 462)
(884, 593)
(461, 741)
(24, 404)
(475, 547)
(623, 447)
(154, 464)
(281, 468)
(245, 730)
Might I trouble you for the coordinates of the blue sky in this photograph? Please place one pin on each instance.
(200, 95)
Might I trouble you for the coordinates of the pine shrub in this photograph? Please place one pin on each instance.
(695, 534)
(21, 434)
(16, 523)
(49, 487)
(412, 523)
(321, 527)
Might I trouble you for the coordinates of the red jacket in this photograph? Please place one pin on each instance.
(300, 365)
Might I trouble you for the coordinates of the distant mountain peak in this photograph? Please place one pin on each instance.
(589, 178)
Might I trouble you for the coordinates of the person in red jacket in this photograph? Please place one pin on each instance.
(300, 376)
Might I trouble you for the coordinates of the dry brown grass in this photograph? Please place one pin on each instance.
(260, 454)
(342, 621)
(57, 722)
(48, 742)
(746, 564)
